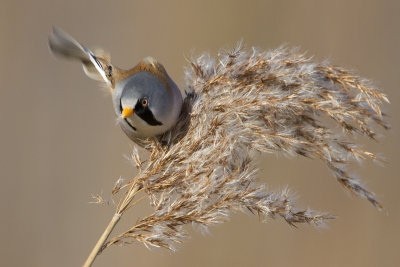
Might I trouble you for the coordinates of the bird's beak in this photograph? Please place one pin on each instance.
(126, 112)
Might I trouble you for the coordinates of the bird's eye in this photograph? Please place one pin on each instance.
(109, 68)
(144, 102)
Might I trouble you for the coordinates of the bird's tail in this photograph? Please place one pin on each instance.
(95, 66)
(64, 45)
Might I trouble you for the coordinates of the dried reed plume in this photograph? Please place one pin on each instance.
(241, 103)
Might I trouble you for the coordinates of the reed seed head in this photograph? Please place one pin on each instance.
(241, 103)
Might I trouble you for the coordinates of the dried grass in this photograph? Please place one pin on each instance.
(242, 103)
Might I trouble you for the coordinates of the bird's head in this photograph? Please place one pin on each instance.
(146, 103)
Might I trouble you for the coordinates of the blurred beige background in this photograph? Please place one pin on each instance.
(59, 141)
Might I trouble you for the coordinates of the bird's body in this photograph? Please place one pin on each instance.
(147, 120)
(146, 100)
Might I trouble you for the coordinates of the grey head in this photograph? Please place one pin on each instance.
(156, 104)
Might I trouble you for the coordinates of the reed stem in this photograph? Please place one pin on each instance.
(117, 216)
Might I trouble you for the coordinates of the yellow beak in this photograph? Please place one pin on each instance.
(126, 112)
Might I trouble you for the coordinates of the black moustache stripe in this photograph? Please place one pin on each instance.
(148, 117)
(145, 114)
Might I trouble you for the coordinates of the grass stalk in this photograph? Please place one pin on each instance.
(111, 225)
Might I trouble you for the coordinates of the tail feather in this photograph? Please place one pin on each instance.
(62, 44)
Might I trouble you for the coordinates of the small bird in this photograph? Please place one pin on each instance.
(146, 100)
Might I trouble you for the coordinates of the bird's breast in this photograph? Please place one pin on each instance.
(139, 128)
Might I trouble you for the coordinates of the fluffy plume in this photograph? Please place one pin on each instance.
(239, 104)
